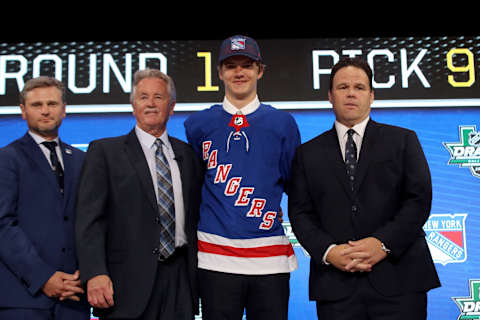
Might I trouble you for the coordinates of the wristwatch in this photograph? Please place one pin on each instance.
(385, 249)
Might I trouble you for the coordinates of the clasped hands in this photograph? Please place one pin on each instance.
(357, 256)
(63, 286)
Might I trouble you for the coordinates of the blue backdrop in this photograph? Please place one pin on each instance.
(453, 232)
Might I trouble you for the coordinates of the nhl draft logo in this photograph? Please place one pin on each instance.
(445, 234)
(466, 153)
(238, 44)
(470, 306)
(238, 122)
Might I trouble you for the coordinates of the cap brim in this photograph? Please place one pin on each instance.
(245, 54)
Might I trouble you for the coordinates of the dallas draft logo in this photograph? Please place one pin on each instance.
(445, 234)
(470, 306)
(466, 153)
(287, 227)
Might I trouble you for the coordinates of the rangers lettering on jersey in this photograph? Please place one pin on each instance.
(247, 167)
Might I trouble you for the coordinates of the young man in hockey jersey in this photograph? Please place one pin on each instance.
(244, 257)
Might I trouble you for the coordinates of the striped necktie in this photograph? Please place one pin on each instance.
(165, 203)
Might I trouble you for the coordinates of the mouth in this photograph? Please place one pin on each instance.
(239, 82)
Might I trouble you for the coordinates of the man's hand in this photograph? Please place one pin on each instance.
(368, 251)
(100, 292)
(63, 285)
(344, 262)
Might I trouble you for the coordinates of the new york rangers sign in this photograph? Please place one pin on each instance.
(445, 234)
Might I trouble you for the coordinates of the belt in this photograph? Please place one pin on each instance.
(179, 251)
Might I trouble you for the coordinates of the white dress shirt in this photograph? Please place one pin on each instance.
(38, 139)
(342, 135)
(359, 129)
(247, 109)
(147, 141)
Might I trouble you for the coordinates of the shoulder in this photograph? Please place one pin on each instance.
(180, 145)
(110, 141)
(389, 127)
(106, 145)
(388, 130)
(279, 120)
(203, 115)
(13, 148)
(277, 114)
(200, 123)
(320, 140)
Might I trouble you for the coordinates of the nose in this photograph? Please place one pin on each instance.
(351, 92)
(151, 102)
(238, 70)
(44, 109)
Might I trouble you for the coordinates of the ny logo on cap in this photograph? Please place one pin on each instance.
(238, 44)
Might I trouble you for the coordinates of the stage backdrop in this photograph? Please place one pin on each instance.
(426, 84)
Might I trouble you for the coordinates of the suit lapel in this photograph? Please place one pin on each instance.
(33, 152)
(335, 158)
(67, 157)
(367, 152)
(137, 158)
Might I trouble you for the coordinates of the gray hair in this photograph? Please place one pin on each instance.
(42, 82)
(154, 73)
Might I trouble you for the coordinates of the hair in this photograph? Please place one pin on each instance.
(42, 82)
(154, 73)
(261, 66)
(352, 62)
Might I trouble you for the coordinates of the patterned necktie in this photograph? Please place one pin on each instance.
(56, 166)
(351, 157)
(165, 203)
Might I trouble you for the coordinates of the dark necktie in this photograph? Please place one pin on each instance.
(165, 203)
(351, 157)
(56, 166)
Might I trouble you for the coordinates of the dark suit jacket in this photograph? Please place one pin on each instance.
(392, 203)
(36, 222)
(116, 228)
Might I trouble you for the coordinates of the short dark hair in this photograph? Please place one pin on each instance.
(42, 82)
(353, 62)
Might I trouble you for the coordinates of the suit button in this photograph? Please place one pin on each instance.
(155, 251)
(157, 220)
(354, 208)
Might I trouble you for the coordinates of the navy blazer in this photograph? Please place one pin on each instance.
(36, 222)
(391, 203)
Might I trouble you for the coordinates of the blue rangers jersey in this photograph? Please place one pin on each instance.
(247, 158)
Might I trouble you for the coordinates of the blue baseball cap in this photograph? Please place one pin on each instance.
(239, 46)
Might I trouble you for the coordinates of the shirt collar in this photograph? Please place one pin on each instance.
(359, 128)
(38, 139)
(149, 141)
(249, 108)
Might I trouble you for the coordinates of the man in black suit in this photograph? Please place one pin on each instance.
(137, 212)
(361, 220)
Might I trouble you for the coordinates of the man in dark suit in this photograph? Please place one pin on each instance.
(39, 173)
(361, 220)
(137, 213)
